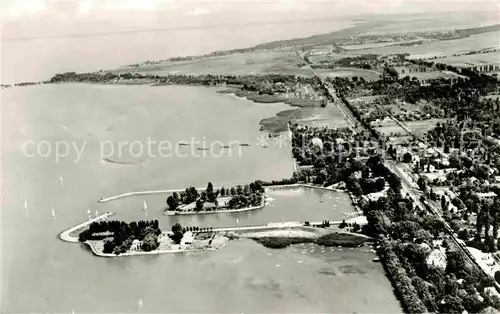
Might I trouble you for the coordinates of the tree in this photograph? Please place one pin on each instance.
(199, 204)
(451, 304)
(150, 242)
(407, 157)
(177, 233)
(497, 276)
(455, 263)
(464, 234)
(210, 188)
(175, 195)
(172, 203)
(176, 228)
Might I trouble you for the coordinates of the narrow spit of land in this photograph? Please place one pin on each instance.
(66, 235)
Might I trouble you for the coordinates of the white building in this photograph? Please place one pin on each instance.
(187, 238)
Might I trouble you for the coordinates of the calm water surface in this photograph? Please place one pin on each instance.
(43, 274)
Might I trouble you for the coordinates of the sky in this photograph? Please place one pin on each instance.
(39, 18)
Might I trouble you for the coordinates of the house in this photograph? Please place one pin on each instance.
(187, 238)
(136, 245)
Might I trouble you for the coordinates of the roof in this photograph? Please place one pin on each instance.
(187, 237)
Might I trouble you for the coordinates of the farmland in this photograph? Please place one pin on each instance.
(438, 48)
(368, 75)
(468, 60)
(248, 63)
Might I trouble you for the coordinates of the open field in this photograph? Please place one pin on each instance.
(439, 48)
(404, 71)
(477, 59)
(377, 45)
(330, 117)
(328, 57)
(423, 126)
(264, 62)
(434, 22)
(368, 75)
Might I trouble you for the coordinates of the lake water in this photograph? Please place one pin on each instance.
(39, 59)
(40, 273)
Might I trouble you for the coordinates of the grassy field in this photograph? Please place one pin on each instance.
(404, 71)
(368, 75)
(461, 61)
(376, 45)
(439, 48)
(265, 62)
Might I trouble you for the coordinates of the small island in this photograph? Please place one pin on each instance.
(235, 199)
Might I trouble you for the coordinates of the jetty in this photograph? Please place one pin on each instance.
(271, 187)
(66, 235)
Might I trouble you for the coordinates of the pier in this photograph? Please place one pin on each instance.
(111, 198)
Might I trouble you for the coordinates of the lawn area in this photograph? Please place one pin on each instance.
(388, 127)
(468, 60)
(439, 48)
(423, 126)
(404, 71)
(263, 62)
(368, 75)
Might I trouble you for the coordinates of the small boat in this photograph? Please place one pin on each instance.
(237, 221)
(376, 259)
(203, 148)
(145, 206)
(60, 179)
(183, 143)
(53, 213)
(226, 146)
(96, 213)
(25, 205)
(244, 144)
(89, 212)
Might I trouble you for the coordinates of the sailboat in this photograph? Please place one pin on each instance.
(145, 206)
(53, 212)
